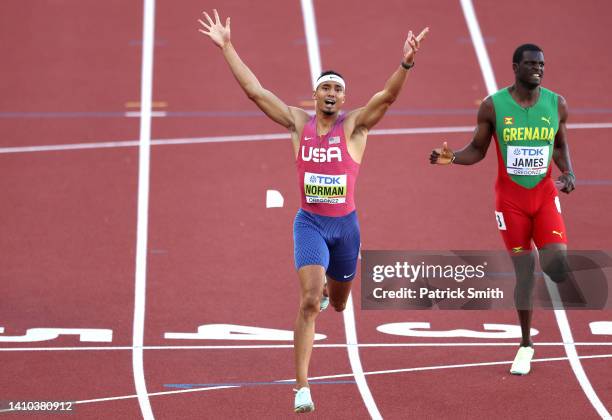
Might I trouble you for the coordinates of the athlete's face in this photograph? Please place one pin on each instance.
(530, 70)
(329, 97)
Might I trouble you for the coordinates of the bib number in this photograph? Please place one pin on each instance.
(325, 188)
(527, 160)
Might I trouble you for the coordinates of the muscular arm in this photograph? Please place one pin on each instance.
(365, 118)
(289, 117)
(268, 102)
(561, 154)
(476, 150)
(368, 116)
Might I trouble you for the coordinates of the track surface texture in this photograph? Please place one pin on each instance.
(72, 143)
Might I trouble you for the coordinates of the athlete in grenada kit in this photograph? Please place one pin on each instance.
(528, 123)
(328, 148)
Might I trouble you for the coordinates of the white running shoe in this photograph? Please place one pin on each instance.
(522, 361)
(303, 401)
(324, 301)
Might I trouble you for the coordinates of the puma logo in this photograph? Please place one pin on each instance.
(558, 233)
(546, 120)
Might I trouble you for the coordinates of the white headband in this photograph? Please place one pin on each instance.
(330, 78)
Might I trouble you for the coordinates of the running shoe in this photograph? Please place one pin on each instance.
(324, 303)
(522, 361)
(303, 401)
(324, 300)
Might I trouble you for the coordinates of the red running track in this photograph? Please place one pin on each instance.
(218, 256)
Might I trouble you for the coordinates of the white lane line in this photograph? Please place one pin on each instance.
(479, 46)
(314, 60)
(146, 93)
(457, 366)
(570, 350)
(589, 125)
(560, 315)
(155, 394)
(346, 375)
(257, 137)
(290, 346)
(353, 353)
(74, 146)
(312, 40)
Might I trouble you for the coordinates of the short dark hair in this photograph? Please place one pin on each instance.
(518, 53)
(326, 72)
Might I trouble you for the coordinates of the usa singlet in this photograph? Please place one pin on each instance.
(326, 228)
(326, 171)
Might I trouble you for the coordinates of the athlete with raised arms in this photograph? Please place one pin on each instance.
(528, 123)
(328, 148)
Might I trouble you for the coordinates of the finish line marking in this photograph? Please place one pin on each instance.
(290, 346)
(345, 375)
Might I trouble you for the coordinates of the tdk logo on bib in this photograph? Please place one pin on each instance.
(527, 160)
(324, 180)
(529, 151)
(321, 154)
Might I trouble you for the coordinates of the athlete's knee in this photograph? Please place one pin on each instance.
(555, 266)
(310, 303)
(338, 305)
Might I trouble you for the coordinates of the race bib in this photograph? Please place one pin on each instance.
(527, 160)
(323, 188)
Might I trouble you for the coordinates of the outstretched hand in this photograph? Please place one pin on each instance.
(219, 34)
(412, 44)
(443, 156)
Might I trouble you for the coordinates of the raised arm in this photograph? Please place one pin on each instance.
(566, 182)
(372, 113)
(290, 117)
(476, 150)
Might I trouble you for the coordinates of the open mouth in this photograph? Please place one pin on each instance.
(330, 102)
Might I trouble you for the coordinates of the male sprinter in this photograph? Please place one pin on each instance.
(328, 149)
(528, 123)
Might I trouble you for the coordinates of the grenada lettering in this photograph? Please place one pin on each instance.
(528, 133)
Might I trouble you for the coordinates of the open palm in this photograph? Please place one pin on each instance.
(219, 34)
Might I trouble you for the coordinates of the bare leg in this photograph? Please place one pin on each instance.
(553, 259)
(524, 266)
(311, 286)
(525, 320)
(338, 292)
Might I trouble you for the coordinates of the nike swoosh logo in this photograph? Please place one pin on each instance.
(346, 277)
(307, 138)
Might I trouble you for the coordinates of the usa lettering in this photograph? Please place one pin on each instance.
(321, 154)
